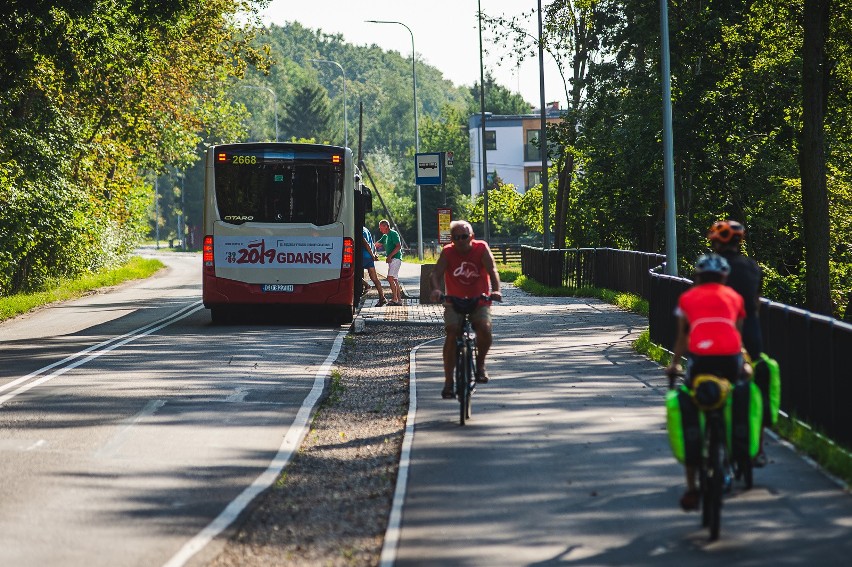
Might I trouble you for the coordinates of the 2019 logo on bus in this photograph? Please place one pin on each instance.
(239, 218)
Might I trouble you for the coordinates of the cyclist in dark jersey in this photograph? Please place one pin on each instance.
(746, 277)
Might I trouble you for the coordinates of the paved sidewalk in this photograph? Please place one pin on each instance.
(566, 459)
(412, 311)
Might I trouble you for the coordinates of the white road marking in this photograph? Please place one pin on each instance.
(118, 439)
(94, 353)
(292, 440)
(391, 543)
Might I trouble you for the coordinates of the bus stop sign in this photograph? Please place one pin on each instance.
(428, 169)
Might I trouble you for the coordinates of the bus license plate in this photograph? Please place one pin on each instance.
(277, 287)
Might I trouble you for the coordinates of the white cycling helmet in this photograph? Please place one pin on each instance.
(712, 264)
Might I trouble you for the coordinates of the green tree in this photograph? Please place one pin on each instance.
(308, 115)
(447, 133)
(812, 155)
(570, 36)
(498, 99)
(93, 96)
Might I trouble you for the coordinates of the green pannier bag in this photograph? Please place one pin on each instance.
(767, 376)
(685, 425)
(744, 420)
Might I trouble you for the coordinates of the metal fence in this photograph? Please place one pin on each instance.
(619, 270)
(812, 350)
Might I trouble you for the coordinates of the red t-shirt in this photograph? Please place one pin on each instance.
(712, 311)
(466, 275)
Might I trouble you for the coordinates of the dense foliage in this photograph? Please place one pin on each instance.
(99, 98)
(94, 94)
(738, 90)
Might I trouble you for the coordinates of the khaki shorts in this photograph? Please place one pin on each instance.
(453, 320)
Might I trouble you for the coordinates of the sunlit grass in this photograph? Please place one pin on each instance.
(136, 268)
(832, 457)
(411, 258)
(626, 301)
(508, 273)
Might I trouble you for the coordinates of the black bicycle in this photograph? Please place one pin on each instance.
(465, 369)
(710, 394)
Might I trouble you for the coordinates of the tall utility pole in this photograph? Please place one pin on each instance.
(668, 151)
(486, 229)
(157, 209)
(542, 138)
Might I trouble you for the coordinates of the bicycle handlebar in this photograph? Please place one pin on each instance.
(673, 376)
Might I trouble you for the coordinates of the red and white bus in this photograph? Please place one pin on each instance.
(282, 227)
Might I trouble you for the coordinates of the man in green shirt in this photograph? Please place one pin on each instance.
(393, 250)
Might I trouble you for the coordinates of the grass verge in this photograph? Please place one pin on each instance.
(626, 301)
(832, 457)
(136, 268)
(829, 455)
(508, 273)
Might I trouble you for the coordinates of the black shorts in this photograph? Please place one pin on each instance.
(727, 366)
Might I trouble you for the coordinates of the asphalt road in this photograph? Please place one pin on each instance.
(128, 422)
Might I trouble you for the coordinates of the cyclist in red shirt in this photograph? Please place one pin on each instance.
(468, 270)
(709, 321)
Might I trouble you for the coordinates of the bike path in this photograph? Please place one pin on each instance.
(566, 461)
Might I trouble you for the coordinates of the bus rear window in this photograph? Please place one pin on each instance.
(279, 187)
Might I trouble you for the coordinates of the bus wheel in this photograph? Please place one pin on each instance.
(345, 315)
(219, 315)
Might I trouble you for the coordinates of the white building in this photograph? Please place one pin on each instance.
(511, 148)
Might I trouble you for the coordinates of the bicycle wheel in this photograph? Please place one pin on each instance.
(470, 364)
(748, 476)
(461, 382)
(716, 479)
(704, 487)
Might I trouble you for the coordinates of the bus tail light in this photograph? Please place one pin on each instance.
(348, 266)
(207, 251)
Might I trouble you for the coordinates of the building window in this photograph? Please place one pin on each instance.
(532, 151)
(490, 139)
(533, 178)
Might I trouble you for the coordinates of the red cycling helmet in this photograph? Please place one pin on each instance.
(726, 232)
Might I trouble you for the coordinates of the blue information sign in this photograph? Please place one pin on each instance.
(428, 169)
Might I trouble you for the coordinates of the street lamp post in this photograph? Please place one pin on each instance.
(345, 123)
(416, 135)
(274, 103)
(545, 183)
(485, 228)
(668, 145)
